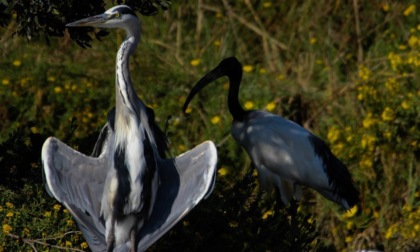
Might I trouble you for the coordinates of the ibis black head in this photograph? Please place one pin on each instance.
(231, 68)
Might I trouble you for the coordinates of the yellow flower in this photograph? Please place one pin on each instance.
(65, 211)
(24, 81)
(9, 214)
(16, 63)
(402, 47)
(349, 225)
(84, 245)
(262, 70)
(368, 141)
(47, 214)
(7, 228)
(387, 135)
(392, 85)
(391, 231)
(217, 43)
(385, 7)
(176, 121)
(223, 171)
(57, 207)
(333, 134)
(364, 73)
(270, 106)
(280, 77)
(181, 148)
(350, 213)
(310, 220)
(26, 231)
(267, 4)
(368, 121)
(407, 209)
(195, 62)
(226, 86)
(233, 224)
(68, 244)
(248, 68)
(70, 222)
(410, 9)
(405, 105)
(348, 239)
(413, 41)
(5, 82)
(188, 110)
(10, 205)
(51, 79)
(395, 60)
(57, 89)
(267, 213)
(215, 120)
(388, 114)
(249, 105)
(337, 148)
(312, 40)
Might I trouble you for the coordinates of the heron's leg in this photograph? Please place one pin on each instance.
(111, 236)
(134, 237)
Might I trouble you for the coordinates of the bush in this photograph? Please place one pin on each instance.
(348, 71)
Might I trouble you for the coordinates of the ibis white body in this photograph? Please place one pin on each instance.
(285, 154)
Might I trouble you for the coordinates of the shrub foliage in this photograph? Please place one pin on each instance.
(346, 70)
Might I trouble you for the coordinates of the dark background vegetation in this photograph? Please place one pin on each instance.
(346, 70)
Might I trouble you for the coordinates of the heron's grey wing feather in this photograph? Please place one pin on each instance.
(102, 141)
(105, 136)
(185, 180)
(77, 181)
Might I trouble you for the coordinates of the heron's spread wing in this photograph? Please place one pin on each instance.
(77, 181)
(185, 181)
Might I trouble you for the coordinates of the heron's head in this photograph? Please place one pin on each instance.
(120, 16)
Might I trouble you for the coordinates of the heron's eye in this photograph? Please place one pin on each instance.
(117, 14)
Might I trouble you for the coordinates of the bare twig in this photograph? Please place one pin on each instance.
(32, 243)
(199, 25)
(258, 31)
(358, 33)
(178, 33)
(265, 40)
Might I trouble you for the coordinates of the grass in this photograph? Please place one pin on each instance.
(348, 71)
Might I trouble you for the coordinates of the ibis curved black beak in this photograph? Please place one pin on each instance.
(91, 21)
(211, 76)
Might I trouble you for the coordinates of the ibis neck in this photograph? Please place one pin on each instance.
(235, 107)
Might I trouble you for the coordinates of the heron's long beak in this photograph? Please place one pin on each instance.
(91, 21)
(211, 76)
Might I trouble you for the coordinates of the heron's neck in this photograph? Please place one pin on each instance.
(125, 93)
(127, 102)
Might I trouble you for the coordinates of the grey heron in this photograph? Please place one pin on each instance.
(127, 195)
(285, 154)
